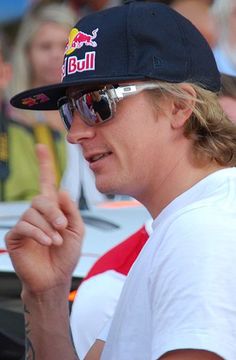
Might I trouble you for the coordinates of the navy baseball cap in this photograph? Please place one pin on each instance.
(136, 41)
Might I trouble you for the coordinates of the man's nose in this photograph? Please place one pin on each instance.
(79, 130)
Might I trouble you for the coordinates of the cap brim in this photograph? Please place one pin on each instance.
(46, 97)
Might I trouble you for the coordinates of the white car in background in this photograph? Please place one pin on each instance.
(107, 224)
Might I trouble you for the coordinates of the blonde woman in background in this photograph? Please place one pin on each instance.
(200, 14)
(37, 58)
(224, 12)
(228, 96)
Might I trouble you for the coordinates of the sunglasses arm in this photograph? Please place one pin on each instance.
(123, 91)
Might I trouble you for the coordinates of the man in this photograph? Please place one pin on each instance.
(168, 144)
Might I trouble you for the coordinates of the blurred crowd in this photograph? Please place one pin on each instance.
(33, 35)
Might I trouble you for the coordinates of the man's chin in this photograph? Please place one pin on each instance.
(103, 186)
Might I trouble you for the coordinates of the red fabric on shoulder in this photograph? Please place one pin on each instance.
(121, 257)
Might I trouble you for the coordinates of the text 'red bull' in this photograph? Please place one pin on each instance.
(72, 64)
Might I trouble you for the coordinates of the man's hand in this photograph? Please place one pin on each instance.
(45, 244)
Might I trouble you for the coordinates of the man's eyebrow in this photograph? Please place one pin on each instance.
(72, 91)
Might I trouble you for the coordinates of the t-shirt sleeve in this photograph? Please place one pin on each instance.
(105, 331)
(193, 286)
(93, 308)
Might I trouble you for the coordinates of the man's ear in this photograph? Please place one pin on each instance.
(183, 108)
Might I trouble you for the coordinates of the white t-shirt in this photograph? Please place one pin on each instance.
(180, 293)
(93, 308)
(97, 296)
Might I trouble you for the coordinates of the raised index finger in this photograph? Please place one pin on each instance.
(47, 178)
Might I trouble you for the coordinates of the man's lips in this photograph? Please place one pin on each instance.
(92, 158)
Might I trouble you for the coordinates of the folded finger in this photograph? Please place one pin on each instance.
(33, 217)
(23, 230)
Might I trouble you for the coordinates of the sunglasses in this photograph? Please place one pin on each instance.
(98, 106)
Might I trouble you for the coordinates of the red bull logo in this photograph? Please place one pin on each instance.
(77, 39)
(72, 64)
(34, 100)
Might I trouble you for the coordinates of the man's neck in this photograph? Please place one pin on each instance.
(180, 179)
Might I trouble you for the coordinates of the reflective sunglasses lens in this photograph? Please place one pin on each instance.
(95, 107)
(66, 115)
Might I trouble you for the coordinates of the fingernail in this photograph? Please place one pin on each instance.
(57, 239)
(59, 221)
(46, 240)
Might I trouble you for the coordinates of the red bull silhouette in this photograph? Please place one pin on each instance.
(79, 38)
(84, 39)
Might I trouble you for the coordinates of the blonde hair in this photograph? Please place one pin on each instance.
(212, 133)
(58, 13)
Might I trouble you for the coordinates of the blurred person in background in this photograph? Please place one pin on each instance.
(224, 12)
(227, 97)
(36, 60)
(84, 7)
(5, 76)
(199, 13)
